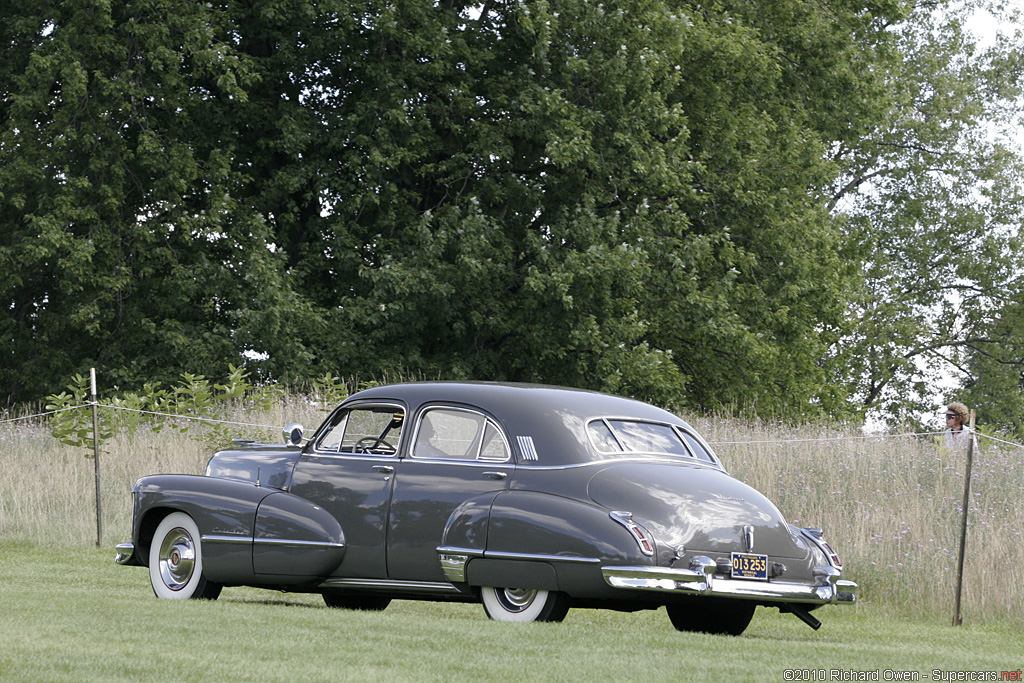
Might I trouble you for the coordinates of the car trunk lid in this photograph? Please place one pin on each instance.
(700, 508)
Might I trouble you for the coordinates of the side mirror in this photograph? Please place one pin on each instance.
(293, 434)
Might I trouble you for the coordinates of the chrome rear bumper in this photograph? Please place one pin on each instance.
(827, 589)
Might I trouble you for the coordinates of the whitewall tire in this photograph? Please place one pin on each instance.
(523, 605)
(176, 561)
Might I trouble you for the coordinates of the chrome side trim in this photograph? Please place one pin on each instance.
(293, 542)
(124, 552)
(453, 566)
(527, 447)
(454, 560)
(459, 551)
(828, 589)
(297, 543)
(543, 558)
(222, 538)
(411, 586)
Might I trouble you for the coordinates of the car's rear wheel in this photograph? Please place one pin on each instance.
(370, 603)
(176, 561)
(524, 604)
(710, 615)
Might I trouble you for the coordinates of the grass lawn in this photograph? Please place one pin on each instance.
(71, 614)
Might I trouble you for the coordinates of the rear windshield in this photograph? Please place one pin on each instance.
(617, 436)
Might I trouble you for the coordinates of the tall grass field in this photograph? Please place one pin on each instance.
(891, 506)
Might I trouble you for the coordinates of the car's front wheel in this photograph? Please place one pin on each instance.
(176, 561)
(710, 615)
(524, 604)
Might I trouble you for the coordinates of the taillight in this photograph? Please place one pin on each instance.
(832, 556)
(641, 537)
(816, 536)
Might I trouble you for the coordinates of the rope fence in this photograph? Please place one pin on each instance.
(768, 442)
(178, 416)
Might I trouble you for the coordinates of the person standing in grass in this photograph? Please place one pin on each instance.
(958, 433)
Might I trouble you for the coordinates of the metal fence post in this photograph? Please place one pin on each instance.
(957, 620)
(96, 457)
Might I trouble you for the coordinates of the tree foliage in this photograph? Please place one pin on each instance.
(665, 199)
(934, 199)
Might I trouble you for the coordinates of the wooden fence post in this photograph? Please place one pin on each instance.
(96, 458)
(957, 620)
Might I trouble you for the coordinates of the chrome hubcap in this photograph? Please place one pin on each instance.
(517, 599)
(177, 559)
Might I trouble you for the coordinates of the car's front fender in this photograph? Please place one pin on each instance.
(249, 534)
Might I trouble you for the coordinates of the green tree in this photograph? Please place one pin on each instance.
(619, 196)
(658, 198)
(125, 240)
(933, 198)
(993, 369)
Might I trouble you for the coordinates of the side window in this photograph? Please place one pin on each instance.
(699, 450)
(602, 438)
(494, 446)
(458, 434)
(365, 429)
(332, 439)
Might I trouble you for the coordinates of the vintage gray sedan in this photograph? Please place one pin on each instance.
(529, 499)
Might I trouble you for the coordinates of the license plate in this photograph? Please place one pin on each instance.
(749, 566)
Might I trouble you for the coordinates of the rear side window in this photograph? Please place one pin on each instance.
(452, 433)
(620, 436)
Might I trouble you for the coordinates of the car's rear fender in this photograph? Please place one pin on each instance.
(249, 534)
(537, 540)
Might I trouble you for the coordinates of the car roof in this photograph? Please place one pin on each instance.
(552, 418)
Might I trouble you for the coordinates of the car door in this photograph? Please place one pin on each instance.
(455, 454)
(349, 471)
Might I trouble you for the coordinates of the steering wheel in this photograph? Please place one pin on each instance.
(369, 443)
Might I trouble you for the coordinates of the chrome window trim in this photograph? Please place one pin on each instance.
(615, 437)
(483, 464)
(663, 459)
(361, 457)
(426, 409)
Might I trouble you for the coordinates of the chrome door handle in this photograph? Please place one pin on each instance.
(386, 469)
(495, 475)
